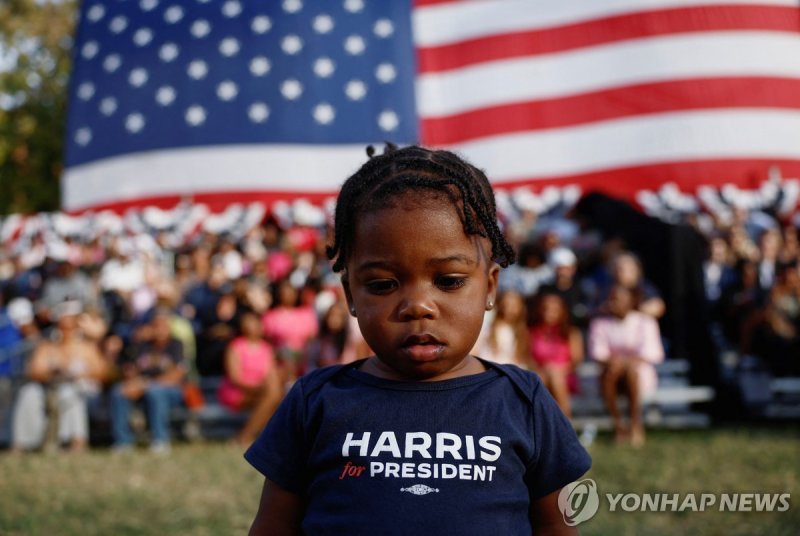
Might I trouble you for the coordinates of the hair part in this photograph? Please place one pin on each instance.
(396, 172)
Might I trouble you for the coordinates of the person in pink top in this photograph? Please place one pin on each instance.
(628, 344)
(556, 346)
(251, 379)
(289, 326)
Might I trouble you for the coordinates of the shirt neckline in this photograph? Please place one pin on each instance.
(490, 373)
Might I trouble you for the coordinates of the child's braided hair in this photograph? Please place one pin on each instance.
(397, 171)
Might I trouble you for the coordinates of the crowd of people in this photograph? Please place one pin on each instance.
(102, 321)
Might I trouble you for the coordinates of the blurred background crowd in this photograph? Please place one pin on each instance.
(97, 318)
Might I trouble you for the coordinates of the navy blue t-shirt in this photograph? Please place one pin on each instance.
(459, 456)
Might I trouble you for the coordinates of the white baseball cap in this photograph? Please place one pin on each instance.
(562, 256)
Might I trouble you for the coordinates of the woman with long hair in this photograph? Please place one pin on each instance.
(506, 340)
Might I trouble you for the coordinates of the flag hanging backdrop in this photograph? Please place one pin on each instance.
(232, 100)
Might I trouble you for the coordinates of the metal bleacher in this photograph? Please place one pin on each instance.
(672, 405)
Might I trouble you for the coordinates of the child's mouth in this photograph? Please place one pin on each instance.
(422, 348)
(423, 352)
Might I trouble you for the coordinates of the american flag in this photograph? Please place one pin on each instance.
(237, 100)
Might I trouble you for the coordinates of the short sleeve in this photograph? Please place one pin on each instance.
(279, 452)
(599, 348)
(652, 349)
(559, 458)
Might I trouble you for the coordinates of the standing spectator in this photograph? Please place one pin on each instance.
(556, 346)
(251, 379)
(506, 340)
(155, 375)
(65, 373)
(628, 343)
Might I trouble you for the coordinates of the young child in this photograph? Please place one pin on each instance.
(556, 346)
(422, 437)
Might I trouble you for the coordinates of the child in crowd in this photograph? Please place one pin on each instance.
(556, 346)
(422, 437)
(251, 378)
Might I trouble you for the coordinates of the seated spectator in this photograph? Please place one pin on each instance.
(769, 247)
(506, 340)
(251, 380)
(219, 321)
(288, 325)
(776, 333)
(10, 343)
(628, 343)
(65, 284)
(565, 284)
(154, 375)
(65, 374)
(739, 303)
(626, 270)
(529, 272)
(718, 272)
(790, 251)
(328, 347)
(556, 346)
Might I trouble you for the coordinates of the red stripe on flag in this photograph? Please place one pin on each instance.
(747, 174)
(420, 3)
(607, 30)
(613, 103)
(620, 182)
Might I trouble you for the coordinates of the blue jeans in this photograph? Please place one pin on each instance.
(158, 400)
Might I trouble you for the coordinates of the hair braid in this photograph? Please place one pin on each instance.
(397, 171)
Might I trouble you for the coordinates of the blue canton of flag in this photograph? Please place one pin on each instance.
(157, 81)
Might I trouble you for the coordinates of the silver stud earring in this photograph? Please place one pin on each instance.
(489, 305)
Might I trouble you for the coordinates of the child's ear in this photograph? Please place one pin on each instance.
(348, 294)
(491, 291)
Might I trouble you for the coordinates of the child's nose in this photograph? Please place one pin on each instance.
(417, 304)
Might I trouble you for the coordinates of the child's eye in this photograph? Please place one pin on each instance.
(380, 286)
(450, 282)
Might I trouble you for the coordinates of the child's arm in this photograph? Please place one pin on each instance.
(546, 517)
(279, 512)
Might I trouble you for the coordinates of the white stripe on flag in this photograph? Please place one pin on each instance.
(713, 54)
(659, 138)
(299, 168)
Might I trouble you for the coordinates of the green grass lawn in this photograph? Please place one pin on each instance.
(207, 488)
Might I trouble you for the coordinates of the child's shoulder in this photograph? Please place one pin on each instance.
(318, 377)
(527, 384)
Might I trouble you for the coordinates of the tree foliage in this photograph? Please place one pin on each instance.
(35, 60)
